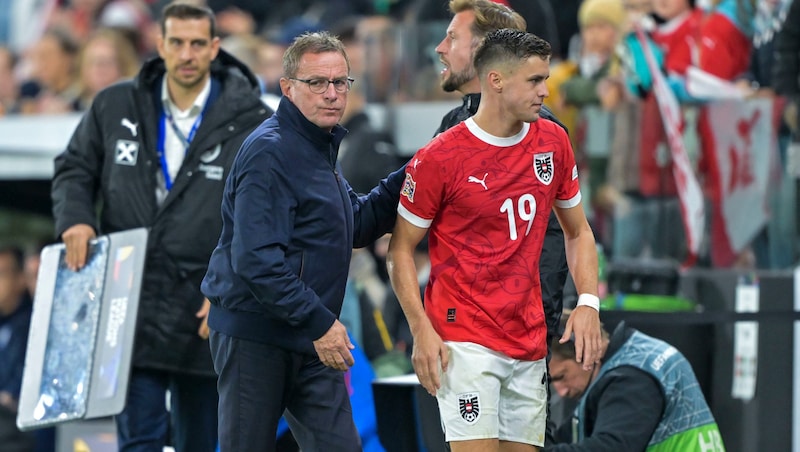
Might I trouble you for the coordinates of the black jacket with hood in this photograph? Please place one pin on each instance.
(111, 162)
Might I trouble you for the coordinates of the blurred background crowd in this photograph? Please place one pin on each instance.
(55, 55)
(733, 65)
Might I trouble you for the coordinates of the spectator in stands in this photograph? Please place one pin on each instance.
(721, 47)
(9, 85)
(786, 82)
(774, 246)
(233, 21)
(601, 23)
(647, 217)
(15, 318)
(270, 53)
(574, 84)
(244, 47)
(787, 66)
(378, 35)
(592, 82)
(154, 152)
(642, 396)
(366, 153)
(566, 25)
(542, 20)
(82, 17)
(32, 262)
(44, 438)
(54, 85)
(107, 57)
(270, 65)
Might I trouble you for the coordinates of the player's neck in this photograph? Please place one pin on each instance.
(495, 122)
(471, 87)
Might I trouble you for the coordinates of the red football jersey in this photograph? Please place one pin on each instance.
(486, 201)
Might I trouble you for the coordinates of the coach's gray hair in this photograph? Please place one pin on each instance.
(316, 42)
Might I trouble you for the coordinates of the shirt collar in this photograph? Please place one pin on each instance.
(197, 105)
(471, 102)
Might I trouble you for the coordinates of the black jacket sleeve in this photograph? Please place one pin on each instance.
(786, 68)
(553, 271)
(77, 175)
(623, 410)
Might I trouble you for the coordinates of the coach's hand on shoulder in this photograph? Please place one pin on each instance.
(428, 356)
(584, 326)
(333, 348)
(76, 238)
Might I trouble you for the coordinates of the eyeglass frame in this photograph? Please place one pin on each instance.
(348, 83)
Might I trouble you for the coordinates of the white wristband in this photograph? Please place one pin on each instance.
(587, 299)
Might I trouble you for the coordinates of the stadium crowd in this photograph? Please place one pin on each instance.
(618, 65)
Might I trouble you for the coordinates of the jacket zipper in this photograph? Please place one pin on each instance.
(343, 196)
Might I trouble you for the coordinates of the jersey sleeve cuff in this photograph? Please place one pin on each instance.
(412, 218)
(569, 203)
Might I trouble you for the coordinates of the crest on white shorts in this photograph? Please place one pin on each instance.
(469, 406)
(543, 167)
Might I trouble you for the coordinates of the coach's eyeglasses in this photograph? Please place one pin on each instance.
(320, 85)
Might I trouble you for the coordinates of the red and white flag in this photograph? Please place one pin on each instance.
(689, 192)
(739, 143)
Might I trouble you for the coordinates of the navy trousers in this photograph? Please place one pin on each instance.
(259, 382)
(190, 425)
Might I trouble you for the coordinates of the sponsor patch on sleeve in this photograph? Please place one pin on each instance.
(408, 188)
(574, 172)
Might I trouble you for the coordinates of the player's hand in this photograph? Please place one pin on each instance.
(203, 314)
(333, 348)
(584, 324)
(428, 355)
(76, 238)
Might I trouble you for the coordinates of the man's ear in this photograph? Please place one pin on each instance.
(215, 43)
(285, 87)
(495, 79)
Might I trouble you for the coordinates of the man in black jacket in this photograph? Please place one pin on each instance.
(155, 152)
(277, 278)
(472, 21)
(15, 319)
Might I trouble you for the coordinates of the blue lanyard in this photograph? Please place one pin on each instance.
(166, 117)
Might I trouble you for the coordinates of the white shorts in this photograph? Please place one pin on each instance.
(486, 394)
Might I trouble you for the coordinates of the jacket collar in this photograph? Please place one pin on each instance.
(617, 339)
(289, 114)
(471, 102)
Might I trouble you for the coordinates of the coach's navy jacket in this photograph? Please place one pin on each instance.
(290, 221)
